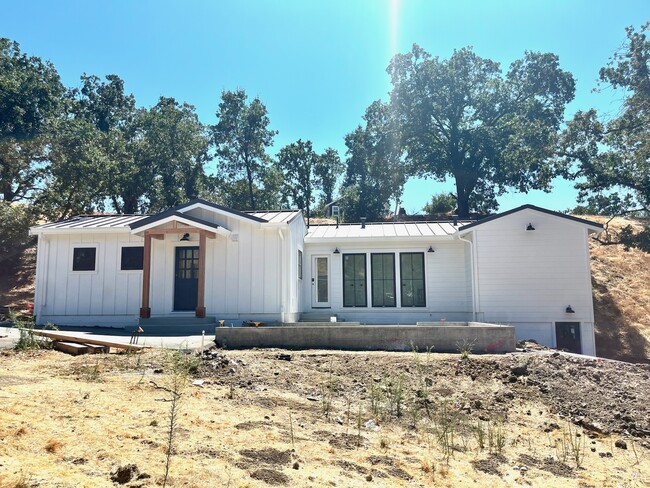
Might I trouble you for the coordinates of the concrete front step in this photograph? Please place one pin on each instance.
(319, 324)
(318, 317)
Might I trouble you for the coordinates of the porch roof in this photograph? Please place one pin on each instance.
(174, 216)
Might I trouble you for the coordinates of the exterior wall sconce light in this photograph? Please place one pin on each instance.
(431, 249)
(530, 227)
(569, 310)
(186, 237)
(336, 251)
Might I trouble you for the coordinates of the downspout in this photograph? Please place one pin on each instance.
(282, 277)
(474, 277)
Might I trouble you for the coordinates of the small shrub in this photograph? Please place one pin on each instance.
(53, 445)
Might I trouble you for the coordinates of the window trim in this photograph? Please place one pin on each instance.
(300, 267)
(83, 245)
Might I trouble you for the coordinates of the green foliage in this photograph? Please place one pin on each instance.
(441, 204)
(15, 220)
(27, 340)
(462, 118)
(242, 137)
(375, 172)
(327, 169)
(613, 155)
(297, 162)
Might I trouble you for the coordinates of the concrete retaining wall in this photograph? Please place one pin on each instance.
(486, 338)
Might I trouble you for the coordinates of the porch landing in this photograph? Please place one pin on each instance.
(484, 338)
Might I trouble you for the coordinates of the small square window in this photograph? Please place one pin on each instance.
(132, 258)
(83, 258)
(299, 264)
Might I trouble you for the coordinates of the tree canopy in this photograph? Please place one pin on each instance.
(463, 118)
(613, 155)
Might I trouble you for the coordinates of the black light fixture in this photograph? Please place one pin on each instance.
(431, 249)
(185, 238)
(336, 251)
(569, 310)
(530, 227)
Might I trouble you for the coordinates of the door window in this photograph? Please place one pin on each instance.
(412, 277)
(383, 279)
(354, 280)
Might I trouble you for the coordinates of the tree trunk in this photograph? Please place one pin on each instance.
(462, 197)
(249, 174)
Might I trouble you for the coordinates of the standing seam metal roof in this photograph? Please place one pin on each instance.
(384, 229)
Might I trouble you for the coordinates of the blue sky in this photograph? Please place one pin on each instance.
(315, 64)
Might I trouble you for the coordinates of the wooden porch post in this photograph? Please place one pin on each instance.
(145, 311)
(200, 307)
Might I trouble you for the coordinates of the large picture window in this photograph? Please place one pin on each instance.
(412, 277)
(132, 258)
(383, 279)
(354, 280)
(83, 258)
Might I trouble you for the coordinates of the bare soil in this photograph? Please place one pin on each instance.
(323, 418)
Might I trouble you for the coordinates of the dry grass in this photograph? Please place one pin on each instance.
(57, 430)
(621, 290)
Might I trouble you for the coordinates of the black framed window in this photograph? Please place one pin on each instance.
(83, 258)
(132, 258)
(383, 279)
(299, 264)
(354, 280)
(412, 277)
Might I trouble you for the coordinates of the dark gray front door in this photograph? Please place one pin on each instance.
(567, 336)
(186, 278)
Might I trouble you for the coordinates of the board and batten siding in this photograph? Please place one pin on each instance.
(106, 295)
(528, 278)
(447, 282)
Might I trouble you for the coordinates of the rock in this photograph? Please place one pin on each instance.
(124, 474)
(621, 444)
(369, 477)
(371, 425)
(284, 357)
(296, 465)
(520, 369)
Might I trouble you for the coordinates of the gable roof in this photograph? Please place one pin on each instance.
(199, 202)
(589, 223)
(173, 215)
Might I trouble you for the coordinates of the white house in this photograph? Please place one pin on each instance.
(528, 267)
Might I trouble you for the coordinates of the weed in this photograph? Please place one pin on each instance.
(479, 434)
(53, 445)
(383, 443)
(359, 427)
(180, 366)
(27, 340)
(327, 393)
(496, 437)
(446, 424)
(572, 445)
(465, 348)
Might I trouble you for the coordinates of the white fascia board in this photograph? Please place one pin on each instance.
(218, 230)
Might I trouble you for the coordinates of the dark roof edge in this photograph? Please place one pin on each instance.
(219, 207)
(531, 207)
(170, 213)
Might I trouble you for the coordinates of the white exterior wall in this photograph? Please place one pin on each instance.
(447, 281)
(528, 278)
(105, 296)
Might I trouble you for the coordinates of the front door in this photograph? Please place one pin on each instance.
(186, 278)
(567, 336)
(320, 282)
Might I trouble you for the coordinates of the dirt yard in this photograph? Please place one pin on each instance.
(321, 418)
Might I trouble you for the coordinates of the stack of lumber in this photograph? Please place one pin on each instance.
(75, 345)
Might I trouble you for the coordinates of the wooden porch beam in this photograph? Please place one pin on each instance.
(181, 230)
(145, 310)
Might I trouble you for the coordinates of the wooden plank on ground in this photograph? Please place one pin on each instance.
(70, 347)
(87, 340)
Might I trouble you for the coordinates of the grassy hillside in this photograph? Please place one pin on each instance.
(620, 281)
